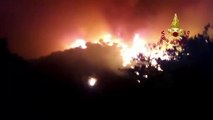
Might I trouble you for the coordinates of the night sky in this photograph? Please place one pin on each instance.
(38, 27)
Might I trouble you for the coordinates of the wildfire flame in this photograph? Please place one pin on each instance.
(130, 52)
(79, 43)
(142, 53)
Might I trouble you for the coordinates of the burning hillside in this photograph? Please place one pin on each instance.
(140, 53)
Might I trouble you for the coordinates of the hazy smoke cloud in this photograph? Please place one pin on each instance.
(36, 27)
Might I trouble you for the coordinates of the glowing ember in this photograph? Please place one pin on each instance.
(145, 76)
(138, 81)
(92, 81)
(137, 73)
